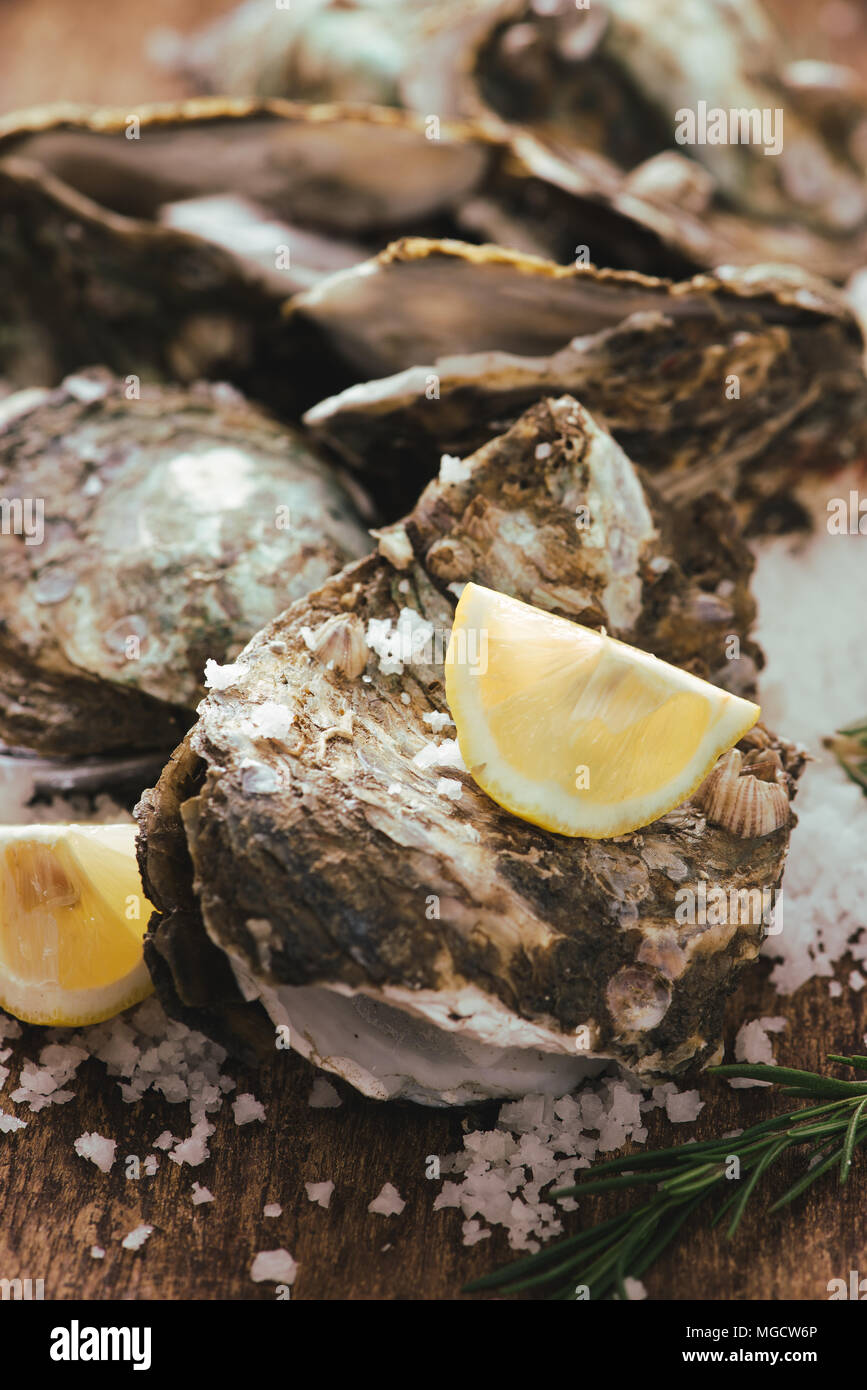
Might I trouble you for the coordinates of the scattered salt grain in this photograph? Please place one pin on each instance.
(473, 1232)
(319, 1192)
(97, 1252)
(324, 1096)
(274, 1265)
(449, 787)
(753, 1044)
(201, 1194)
(407, 641)
(136, 1239)
(445, 754)
(634, 1289)
(272, 1209)
(835, 989)
(268, 720)
(388, 1203)
(683, 1107)
(194, 1150)
(543, 451)
(856, 980)
(223, 677)
(453, 469)
(164, 1140)
(247, 1108)
(437, 720)
(99, 1150)
(10, 1123)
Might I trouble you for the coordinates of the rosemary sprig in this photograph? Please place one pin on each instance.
(686, 1175)
(849, 747)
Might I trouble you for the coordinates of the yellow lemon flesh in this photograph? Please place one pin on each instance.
(572, 730)
(72, 917)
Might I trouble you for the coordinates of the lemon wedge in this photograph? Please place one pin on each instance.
(72, 917)
(572, 730)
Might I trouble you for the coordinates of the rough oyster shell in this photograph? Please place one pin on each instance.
(172, 527)
(593, 92)
(654, 361)
(88, 271)
(419, 945)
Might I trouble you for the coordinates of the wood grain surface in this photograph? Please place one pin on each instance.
(54, 1205)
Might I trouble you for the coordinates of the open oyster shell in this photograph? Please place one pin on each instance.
(115, 248)
(739, 380)
(436, 948)
(155, 532)
(590, 96)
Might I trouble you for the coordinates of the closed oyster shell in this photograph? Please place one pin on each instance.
(172, 527)
(89, 270)
(657, 362)
(418, 945)
(588, 98)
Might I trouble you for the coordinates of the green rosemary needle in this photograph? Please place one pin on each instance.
(596, 1262)
(849, 747)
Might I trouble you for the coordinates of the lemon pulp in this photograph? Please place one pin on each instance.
(575, 731)
(72, 917)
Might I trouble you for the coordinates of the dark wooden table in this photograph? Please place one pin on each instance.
(55, 1205)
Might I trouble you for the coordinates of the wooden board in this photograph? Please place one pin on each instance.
(55, 1205)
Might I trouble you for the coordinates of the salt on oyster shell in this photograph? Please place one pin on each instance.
(157, 531)
(415, 938)
(592, 93)
(739, 380)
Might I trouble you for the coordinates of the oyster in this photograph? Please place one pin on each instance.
(142, 536)
(417, 939)
(169, 253)
(591, 98)
(740, 381)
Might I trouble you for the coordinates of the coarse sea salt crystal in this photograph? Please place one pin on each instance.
(9, 1124)
(219, 677)
(9, 1027)
(247, 1108)
(99, 1150)
(388, 1203)
(437, 720)
(685, 1106)
(193, 1150)
(272, 1209)
(473, 1232)
(323, 1095)
(453, 469)
(319, 1192)
(97, 1252)
(268, 720)
(856, 980)
(634, 1289)
(753, 1044)
(835, 989)
(201, 1194)
(136, 1239)
(405, 642)
(445, 754)
(449, 787)
(277, 1266)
